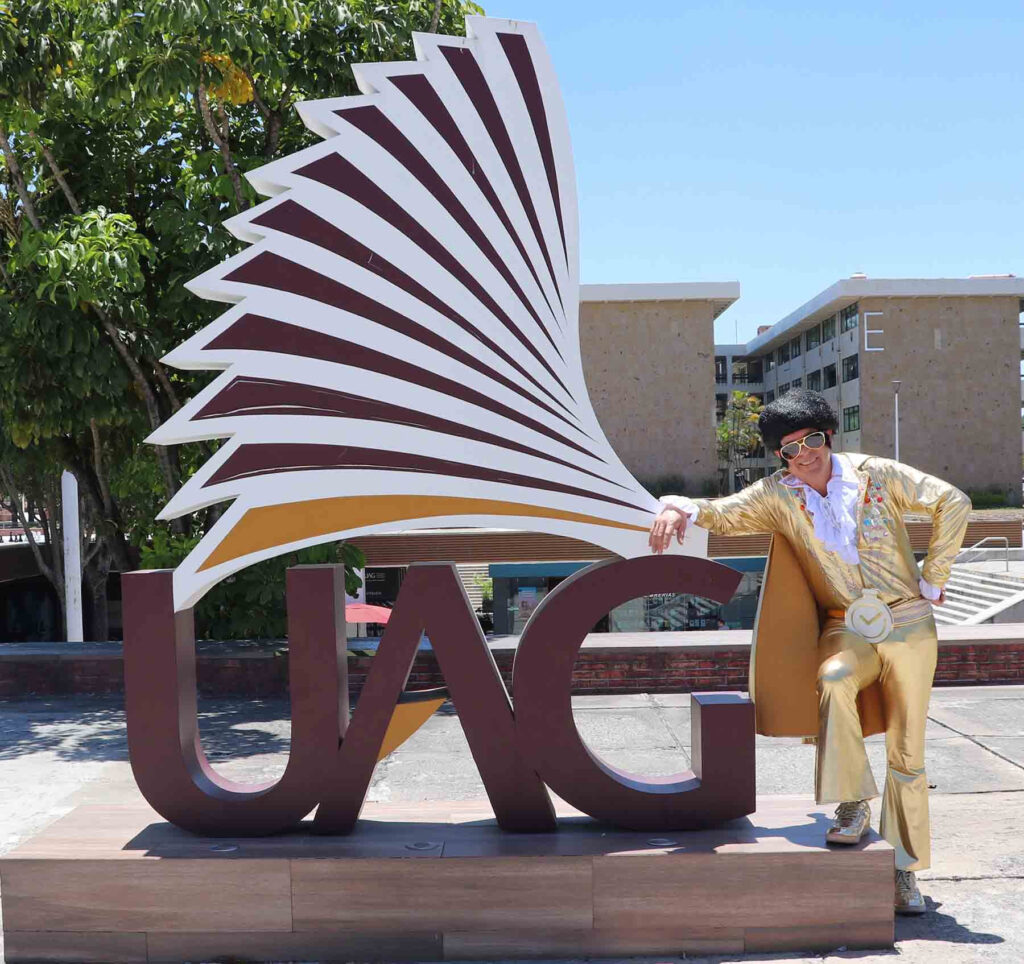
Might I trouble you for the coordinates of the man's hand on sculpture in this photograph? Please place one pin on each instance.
(669, 522)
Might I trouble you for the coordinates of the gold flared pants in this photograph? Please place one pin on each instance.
(904, 665)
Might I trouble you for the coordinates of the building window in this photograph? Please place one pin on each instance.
(769, 397)
(828, 329)
(794, 347)
(783, 388)
(812, 338)
(721, 375)
(850, 370)
(721, 403)
(796, 383)
(851, 419)
(783, 353)
(848, 317)
(828, 374)
(746, 372)
(769, 362)
(814, 381)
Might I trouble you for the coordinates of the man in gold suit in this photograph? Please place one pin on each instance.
(838, 518)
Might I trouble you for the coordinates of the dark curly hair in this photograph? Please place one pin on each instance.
(797, 409)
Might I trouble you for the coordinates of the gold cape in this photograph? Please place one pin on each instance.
(803, 579)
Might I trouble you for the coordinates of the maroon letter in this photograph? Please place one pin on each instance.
(721, 784)
(432, 598)
(160, 705)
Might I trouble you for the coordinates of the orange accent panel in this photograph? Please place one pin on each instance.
(275, 525)
(406, 720)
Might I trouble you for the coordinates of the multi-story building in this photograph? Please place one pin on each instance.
(950, 348)
(647, 353)
(659, 383)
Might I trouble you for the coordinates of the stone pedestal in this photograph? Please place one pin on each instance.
(438, 881)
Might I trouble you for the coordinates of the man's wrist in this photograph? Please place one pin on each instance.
(682, 504)
(929, 591)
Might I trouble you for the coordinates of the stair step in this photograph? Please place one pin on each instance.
(974, 595)
(968, 585)
(957, 615)
(992, 579)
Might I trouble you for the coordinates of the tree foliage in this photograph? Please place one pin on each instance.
(126, 128)
(736, 435)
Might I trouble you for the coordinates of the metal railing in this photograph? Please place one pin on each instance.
(981, 542)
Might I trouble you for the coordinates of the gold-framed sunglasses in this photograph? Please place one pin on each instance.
(814, 440)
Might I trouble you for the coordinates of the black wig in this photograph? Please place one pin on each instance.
(797, 409)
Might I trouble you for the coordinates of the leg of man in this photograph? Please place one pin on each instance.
(848, 664)
(908, 667)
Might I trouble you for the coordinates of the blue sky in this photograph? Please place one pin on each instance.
(787, 145)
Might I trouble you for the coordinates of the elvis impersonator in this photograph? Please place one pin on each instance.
(844, 642)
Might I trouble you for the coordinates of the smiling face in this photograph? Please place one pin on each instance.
(812, 466)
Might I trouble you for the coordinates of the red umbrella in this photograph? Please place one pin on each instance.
(363, 613)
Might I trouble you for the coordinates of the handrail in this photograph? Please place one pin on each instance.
(981, 542)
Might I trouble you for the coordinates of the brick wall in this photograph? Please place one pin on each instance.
(976, 654)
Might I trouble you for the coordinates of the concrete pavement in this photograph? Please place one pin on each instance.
(55, 754)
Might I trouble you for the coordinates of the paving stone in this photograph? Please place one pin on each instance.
(1010, 747)
(647, 763)
(785, 769)
(616, 729)
(980, 716)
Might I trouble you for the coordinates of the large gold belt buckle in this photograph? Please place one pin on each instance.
(869, 617)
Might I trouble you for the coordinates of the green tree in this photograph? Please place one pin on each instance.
(126, 129)
(736, 435)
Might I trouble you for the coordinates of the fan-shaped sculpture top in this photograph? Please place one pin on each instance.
(402, 349)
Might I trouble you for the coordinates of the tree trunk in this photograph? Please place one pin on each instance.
(166, 385)
(96, 578)
(19, 180)
(148, 397)
(273, 135)
(16, 507)
(56, 171)
(223, 147)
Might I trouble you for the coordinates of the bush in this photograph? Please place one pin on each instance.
(251, 603)
(665, 485)
(991, 498)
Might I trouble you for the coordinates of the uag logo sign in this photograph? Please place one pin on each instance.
(402, 352)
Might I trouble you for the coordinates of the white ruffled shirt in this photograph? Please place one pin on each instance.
(834, 514)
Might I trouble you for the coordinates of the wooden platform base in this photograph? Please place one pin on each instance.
(440, 882)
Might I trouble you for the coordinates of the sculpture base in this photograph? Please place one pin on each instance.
(438, 881)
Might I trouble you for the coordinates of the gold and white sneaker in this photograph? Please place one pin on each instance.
(908, 897)
(851, 822)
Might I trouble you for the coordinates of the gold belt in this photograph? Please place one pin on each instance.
(908, 611)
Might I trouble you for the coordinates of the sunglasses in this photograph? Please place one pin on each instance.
(792, 449)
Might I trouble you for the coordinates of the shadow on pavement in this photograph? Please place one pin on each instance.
(94, 729)
(934, 926)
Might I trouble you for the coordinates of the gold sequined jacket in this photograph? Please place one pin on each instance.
(887, 490)
(803, 579)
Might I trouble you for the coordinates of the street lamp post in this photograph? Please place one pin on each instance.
(896, 419)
